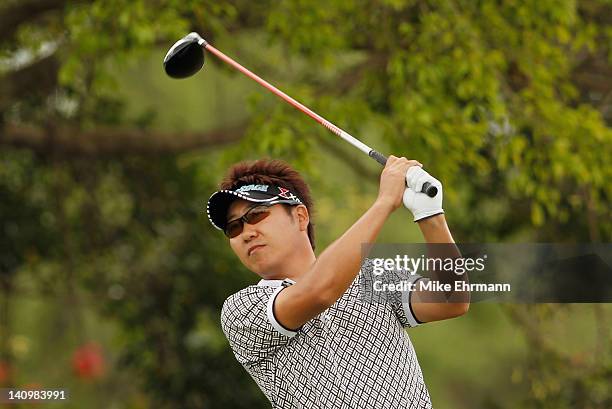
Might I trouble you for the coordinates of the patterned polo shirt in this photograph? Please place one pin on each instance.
(355, 354)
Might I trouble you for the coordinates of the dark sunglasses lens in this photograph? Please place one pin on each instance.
(256, 215)
(233, 228)
(253, 216)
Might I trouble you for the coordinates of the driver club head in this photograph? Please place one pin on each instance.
(185, 57)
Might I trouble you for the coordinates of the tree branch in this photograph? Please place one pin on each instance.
(26, 11)
(376, 62)
(113, 141)
(593, 74)
(37, 78)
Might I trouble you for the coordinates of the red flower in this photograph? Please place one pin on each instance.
(32, 386)
(4, 372)
(88, 361)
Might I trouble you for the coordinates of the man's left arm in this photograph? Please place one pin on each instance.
(429, 305)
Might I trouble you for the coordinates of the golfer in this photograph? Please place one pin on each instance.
(302, 332)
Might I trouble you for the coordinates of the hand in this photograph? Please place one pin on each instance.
(393, 181)
(421, 205)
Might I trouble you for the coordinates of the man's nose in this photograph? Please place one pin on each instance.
(248, 232)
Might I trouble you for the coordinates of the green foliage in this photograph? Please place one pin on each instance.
(147, 250)
(563, 377)
(491, 96)
(474, 90)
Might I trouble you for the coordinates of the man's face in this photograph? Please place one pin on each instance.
(262, 247)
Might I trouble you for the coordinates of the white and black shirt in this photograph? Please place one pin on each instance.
(355, 354)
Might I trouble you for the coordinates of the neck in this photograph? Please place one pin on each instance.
(294, 266)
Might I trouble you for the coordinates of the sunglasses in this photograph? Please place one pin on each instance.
(253, 216)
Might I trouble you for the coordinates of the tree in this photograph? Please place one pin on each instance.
(508, 104)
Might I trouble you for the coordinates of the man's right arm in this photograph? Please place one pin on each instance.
(337, 267)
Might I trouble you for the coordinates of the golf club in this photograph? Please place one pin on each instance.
(186, 57)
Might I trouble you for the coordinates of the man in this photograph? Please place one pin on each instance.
(302, 332)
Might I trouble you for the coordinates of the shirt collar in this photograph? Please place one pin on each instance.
(274, 283)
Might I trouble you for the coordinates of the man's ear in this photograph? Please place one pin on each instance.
(302, 216)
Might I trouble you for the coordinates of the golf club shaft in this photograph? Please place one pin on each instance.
(427, 188)
(380, 158)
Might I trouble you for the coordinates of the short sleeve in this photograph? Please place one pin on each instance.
(403, 310)
(248, 322)
(399, 301)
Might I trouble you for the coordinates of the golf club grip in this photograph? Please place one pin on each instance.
(428, 189)
(378, 157)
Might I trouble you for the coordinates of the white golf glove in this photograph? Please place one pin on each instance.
(419, 203)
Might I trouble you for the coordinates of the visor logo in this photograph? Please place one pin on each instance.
(284, 193)
(245, 189)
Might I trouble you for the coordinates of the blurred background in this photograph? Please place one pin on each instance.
(111, 277)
